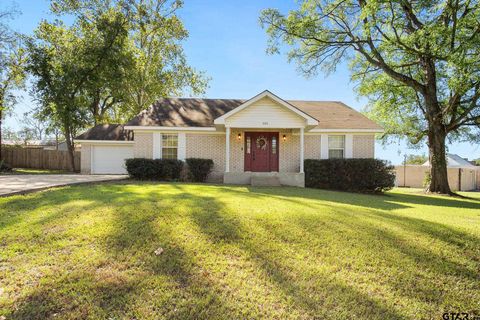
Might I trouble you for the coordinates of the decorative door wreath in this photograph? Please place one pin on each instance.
(261, 143)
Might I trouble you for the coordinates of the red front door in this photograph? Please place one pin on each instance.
(261, 151)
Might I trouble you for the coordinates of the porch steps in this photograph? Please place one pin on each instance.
(265, 180)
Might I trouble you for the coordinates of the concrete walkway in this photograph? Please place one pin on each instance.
(11, 184)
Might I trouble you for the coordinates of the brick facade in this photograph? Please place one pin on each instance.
(143, 146)
(312, 146)
(363, 146)
(212, 146)
(289, 152)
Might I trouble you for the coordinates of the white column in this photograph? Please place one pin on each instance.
(182, 146)
(227, 150)
(157, 145)
(349, 146)
(302, 134)
(324, 146)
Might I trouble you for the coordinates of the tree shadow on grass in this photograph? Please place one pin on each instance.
(64, 298)
(308, 304)
(173, 285)
(388, 201)
(168, 285)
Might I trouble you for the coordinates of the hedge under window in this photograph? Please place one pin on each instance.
(336, 147)
(169, 146)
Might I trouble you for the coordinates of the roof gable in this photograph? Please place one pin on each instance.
(266, 94)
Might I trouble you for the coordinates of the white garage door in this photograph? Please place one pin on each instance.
(110, 159)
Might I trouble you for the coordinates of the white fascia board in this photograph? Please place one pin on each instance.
(347, 130)
(104, 141)
(266, 93)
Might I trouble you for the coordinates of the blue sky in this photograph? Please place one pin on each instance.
(227, 42)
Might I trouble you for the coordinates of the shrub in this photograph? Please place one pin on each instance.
(5, 167)
(357, 175)
(427, 179)
(198, 169)
(154, 169)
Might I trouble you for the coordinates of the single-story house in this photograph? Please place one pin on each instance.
(264, 137)
(462, 174)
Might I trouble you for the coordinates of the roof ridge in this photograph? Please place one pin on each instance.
(197, 98)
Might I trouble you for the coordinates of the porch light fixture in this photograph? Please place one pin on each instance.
(239, 137)
(284, 137)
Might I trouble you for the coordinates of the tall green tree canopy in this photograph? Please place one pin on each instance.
(12, 61)
(417, 62)
(67, 62)
(114, 60)
(158, 67)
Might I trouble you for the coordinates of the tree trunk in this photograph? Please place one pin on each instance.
(70, 148)
(436, 132)
(1, 134)
(438, 160)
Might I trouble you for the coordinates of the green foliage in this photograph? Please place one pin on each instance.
(357, 175)
(154, 169)
(199, 169)
(416, 159)
(115, 59)
(386, 43)
(5, 167)
(12, 61)
(150, 63)
(427, 179)
(416, 61)
(66, 61)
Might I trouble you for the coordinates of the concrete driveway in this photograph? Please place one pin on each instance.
(11, 184)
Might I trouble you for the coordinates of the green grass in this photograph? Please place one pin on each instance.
(36, 171)
(236, 253)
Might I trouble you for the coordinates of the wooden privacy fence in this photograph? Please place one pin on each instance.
(37, 158)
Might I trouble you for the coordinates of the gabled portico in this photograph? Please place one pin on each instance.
(263, 136)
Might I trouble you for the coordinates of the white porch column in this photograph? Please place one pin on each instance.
(302, 134)
(227, 150)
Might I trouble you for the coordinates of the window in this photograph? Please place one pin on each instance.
(336, 147)
(169, 146)
(274, 145)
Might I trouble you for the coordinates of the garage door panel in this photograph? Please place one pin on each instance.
(110, 159)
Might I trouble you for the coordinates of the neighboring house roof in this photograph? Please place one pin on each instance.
(191, 112)
(114, 132)
(455, 161)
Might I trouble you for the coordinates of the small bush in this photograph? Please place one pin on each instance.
(199, 169)
(154, 169)
(356, 175)
(5, 167)
(427, 179)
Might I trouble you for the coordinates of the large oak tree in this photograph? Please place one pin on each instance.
(417, 61)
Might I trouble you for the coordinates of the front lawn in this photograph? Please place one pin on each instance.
(88, 251)
(36, 171)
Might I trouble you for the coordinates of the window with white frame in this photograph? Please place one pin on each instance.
(169, 146)
(336, 147)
